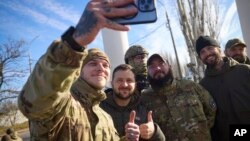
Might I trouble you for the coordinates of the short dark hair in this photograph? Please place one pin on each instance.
(122, 67)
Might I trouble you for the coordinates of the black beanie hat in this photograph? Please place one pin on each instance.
(204, 41)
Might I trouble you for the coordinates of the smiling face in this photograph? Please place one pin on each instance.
(96, 73)
(210, 56)
(123, 83)
(237, 52)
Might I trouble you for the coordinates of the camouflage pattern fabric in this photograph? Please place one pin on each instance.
(59, 112)
(133, 51)
(184, 110)
(247, 61)
(140, 71)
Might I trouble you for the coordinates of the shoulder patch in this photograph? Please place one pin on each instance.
(212, 104)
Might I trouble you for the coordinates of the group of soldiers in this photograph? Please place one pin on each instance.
(172, 100)
(64, 97)
(162, 97)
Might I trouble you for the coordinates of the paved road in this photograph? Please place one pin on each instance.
(24, 134)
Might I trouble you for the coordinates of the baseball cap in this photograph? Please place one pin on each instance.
(234, 42)
(150, 59)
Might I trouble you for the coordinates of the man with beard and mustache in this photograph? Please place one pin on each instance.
(236, 49)
(183, 109)
(137, 56)
(123, 98)
(229, 83)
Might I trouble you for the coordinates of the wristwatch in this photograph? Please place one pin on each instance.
(67, 37)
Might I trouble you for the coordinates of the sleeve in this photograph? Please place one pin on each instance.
(47, 89)
(158, 134)
(208, 102)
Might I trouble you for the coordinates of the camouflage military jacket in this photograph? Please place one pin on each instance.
(58, 111)
(247, 61)
(184, 110)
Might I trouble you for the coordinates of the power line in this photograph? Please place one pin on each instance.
(151, 32)
(148, 34)
(172, 37)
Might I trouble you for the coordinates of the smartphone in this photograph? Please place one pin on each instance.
(146, 13)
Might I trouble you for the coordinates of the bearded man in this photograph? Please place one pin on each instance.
(183, 109)
(237, 49)
(228, 82)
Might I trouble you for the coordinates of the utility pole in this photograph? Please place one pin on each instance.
(30, 64)
(172, 37)
(30, 61)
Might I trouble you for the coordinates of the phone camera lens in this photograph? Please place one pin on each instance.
(146, 5)
(143, 1)
(149, 1)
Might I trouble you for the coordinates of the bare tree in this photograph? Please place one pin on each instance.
(10, 110)
(12, 55)
(174, 65)
(198, 17)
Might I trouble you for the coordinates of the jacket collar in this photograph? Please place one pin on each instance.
(86, 94)
(169, 88)
(247, 61)
(133, 101)
(228, 63)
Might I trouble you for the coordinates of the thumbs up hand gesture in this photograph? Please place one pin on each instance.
(131, 129)
(147, 129)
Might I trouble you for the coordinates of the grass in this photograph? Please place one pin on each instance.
(16, 127)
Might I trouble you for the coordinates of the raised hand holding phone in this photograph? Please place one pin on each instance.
(146, 13)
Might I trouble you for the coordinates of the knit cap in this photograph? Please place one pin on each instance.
(204, 41)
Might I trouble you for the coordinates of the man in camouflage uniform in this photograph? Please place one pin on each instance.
(229, 83)
(236, 49)
(136, 56)
(184, 110)
(61, 97)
